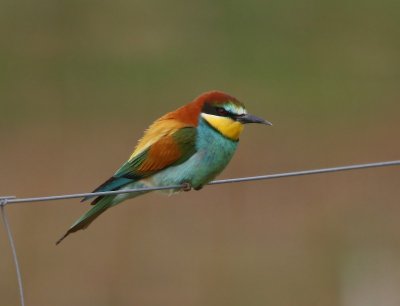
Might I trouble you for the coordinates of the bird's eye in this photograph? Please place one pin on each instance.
(221, 111)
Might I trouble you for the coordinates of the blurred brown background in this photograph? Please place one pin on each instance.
(79, 82)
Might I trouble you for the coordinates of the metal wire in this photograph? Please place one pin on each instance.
(308, 172)
(13, 200)
(7, 227)
(218, 182)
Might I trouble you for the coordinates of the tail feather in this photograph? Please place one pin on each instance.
(113, 183)
(84, 221)
(102, 204)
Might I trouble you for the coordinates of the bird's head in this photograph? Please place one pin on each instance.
(226, 114)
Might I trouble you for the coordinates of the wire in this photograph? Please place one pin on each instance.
(14, 200)
(3, 201)
(308, 172)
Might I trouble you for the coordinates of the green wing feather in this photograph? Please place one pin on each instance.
(184, 147)
(168, 151)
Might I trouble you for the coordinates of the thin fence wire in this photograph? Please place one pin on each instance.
(14, 200)
(7, 227)
(9, 200)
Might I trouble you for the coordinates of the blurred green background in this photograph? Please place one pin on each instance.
(79, 82)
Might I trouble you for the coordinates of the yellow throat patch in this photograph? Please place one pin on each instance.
(226, 126)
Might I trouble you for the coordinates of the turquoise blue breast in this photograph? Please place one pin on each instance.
(214, 151)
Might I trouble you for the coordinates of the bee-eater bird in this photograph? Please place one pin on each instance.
(189, 146)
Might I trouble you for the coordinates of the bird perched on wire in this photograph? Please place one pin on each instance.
(188, 147)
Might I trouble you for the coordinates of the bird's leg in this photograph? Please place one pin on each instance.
(186, 186)
(198, 188)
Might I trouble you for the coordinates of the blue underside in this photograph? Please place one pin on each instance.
(214, 152)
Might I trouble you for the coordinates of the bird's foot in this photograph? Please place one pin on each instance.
(186, 187)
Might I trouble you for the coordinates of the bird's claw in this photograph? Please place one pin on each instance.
(186, 187)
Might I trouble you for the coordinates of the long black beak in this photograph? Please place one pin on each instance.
(252, 119)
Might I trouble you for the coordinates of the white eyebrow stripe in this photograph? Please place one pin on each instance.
(241, 112)
(236, 109)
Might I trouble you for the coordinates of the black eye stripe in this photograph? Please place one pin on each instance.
(217, 111)
(221, 111)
